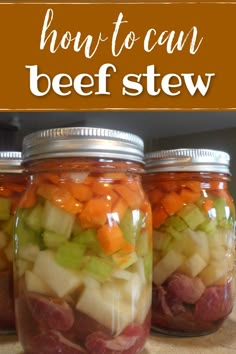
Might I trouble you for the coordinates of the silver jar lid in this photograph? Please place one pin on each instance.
(83, 142)
(10, 162)
(192, 160)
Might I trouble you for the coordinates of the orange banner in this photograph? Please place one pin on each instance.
(95, 56)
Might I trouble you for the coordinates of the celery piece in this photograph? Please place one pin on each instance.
(25, 235)
(76, 229)
(176, 234)
(34, 217)
(53, 240)
(221, 208)
(70, 255)
(192, 215)
(5, 208)
(147, 260)
(176, 222)
(57, 220)
(209, 226)
(88, 238)
(226, 223)
(142, 244)
(99, 268)
(131, 225)
(8, 226)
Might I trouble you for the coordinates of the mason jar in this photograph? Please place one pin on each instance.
(83, 244)
(12, 184)
(193, 240)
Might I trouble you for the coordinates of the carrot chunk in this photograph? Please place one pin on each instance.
(172, 203)
(189, 196)
(95, 213)
(111, 238)
(133, 199)
(159, 216)
(29, 198)
(155, 196)
(207, 205)
(79, 191)
(120, 208)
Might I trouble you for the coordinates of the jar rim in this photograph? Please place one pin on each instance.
(83, 142)
(187, 160)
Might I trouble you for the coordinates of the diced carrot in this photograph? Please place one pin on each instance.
(111, 238)
(60, 197)
(189, 196)
(128, 247)
(155, 196)
(79, 191)
(14, 187)
(101, 188)
(112, 197)
(29, 198)
(89, 181)
(169, 186)
(172, 203)
(194, 185)
(207, 205)
(5, 192)
(159, 216)
(133, 199)
(95, 213)
(120, 208)
(52, 177)
(116, 176)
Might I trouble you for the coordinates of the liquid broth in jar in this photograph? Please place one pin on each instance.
(193, 240)
(84, 234)
(12, 185)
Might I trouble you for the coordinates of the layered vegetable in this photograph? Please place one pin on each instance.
(194, 250)
(11, 188)
(84, 264)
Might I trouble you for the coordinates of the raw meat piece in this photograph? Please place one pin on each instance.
(51, 312)
(215, 303)
(187, 289)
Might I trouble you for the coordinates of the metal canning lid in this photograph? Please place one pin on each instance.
(83, 142)
(196, 160)
(10, 162)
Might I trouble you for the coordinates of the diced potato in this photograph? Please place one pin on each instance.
(35, 284)
(193, 265)
(197, 243)
(112, 313)
(213, 272)
(122, 274)
(133, 288)
(217, 254)
(91, 282)
(22, 266)
(168, 265)
(29, 252)
(160, 240)
(62, 281)
(144, 304)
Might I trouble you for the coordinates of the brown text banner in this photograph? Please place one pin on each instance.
(136, 56)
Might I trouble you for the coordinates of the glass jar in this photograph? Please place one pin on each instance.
(83, 244)
(12, 184)
(193, 240)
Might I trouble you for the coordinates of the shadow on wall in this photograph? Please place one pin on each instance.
(224, 139)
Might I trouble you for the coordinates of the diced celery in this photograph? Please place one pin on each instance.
(176, 222)
(209, 226)
(57, 220)
(192, 215)
(88, 238)
(8, 226)
(226, 224)
(176, 234)
(70, 255)
(34, 218)
(5, 208)
(124, 260)
(131, 225)
(99, 269)
(147, 260)
(25, 235)
(53, 240)
(221, 208)
(161, 240)
(77, 229)
(142, 245)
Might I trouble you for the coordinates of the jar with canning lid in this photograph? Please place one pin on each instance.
(12, 184)
(83, 232)
(193, 240)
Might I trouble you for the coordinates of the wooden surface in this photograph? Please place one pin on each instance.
(221, 342)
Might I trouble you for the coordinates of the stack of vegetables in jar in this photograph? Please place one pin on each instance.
(83, 257)
(12, 185)
(194, 248)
